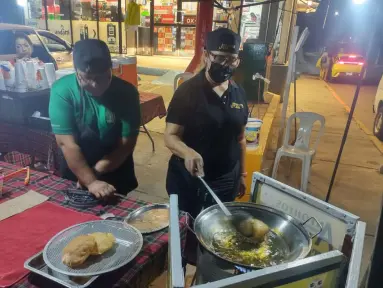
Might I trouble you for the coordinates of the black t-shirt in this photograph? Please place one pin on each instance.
(212, 124)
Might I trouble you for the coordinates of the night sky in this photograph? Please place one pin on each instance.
(353, 24)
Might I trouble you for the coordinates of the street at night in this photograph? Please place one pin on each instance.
(191, 143)
(363, 110)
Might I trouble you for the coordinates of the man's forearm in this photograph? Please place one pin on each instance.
(78, 165)
(114, 160)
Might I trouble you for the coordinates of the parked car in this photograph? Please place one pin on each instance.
(60, 49)
(46, 46)
(378, 109)
(346, 66)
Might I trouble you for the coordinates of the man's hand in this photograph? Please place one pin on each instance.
(80, 186)
(101, 189)
(242, 187)
(194, 163)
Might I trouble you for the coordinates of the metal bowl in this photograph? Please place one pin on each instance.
(136, 214)
(212, 220)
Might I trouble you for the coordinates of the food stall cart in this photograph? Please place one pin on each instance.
(334, 259)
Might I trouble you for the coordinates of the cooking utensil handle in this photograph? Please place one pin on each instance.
(219, 202)
(320, 226)
(187, 223)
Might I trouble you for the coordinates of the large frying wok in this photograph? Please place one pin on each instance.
(212, 221)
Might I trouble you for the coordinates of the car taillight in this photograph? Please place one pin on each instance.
(361, 63)
(340, 62)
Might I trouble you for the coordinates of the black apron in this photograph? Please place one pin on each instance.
(192, 194)
(94, 149)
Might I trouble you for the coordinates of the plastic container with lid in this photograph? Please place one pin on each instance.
(252, 132)
(125, 67)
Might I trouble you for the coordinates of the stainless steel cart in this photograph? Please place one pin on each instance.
(326, 266)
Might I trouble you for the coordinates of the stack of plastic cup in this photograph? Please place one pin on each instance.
(50, 71)
(42, 78)
(21, 84)
(2, 83)
(31, 75)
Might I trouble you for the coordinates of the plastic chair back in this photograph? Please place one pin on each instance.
(181, 78)
(306, 124)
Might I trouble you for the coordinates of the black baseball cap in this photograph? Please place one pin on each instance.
(223, 40)
(91, 56)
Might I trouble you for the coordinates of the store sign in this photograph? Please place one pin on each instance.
(60, 28)
(84, 30)
(163, 14)
(190, 19)
(163, 10)
(333, 229)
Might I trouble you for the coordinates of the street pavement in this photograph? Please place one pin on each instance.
(358, 184)
(363, 110)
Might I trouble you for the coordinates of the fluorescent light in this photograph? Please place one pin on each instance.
(336, 13)
(358, 2)
(22, 3)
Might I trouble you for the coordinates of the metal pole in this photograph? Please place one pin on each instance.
(345, 134)
(353, 105)
(295, 103)
(325, 17)
(119, 11)
(289, 76)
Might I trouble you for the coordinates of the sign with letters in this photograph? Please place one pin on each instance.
(190, 19)
(333, 229)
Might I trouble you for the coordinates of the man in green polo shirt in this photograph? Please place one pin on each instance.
(95, 117)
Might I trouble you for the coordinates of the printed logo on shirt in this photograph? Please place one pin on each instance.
(110, 118)
(236, 105)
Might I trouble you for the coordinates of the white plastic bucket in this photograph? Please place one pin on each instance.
(252, 131)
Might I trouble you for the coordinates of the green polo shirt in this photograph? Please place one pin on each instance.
(120, 103)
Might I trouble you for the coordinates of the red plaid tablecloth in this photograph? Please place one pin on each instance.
(149, 263)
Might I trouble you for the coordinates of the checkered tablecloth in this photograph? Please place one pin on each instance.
(149, 263)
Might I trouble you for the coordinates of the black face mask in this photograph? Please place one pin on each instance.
(219, 73)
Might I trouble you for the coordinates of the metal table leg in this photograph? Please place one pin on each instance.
(150, 137)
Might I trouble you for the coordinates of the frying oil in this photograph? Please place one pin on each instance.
(235, 248)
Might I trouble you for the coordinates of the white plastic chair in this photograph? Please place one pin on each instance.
(180, 78)
(301, 148)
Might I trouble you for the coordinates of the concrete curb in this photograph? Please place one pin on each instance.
(254, 157)
(268, 120)
(368, 132)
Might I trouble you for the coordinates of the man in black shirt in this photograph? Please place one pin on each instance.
(205, 129)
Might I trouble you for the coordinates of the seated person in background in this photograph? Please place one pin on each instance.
(96, 118)
(24, 47)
